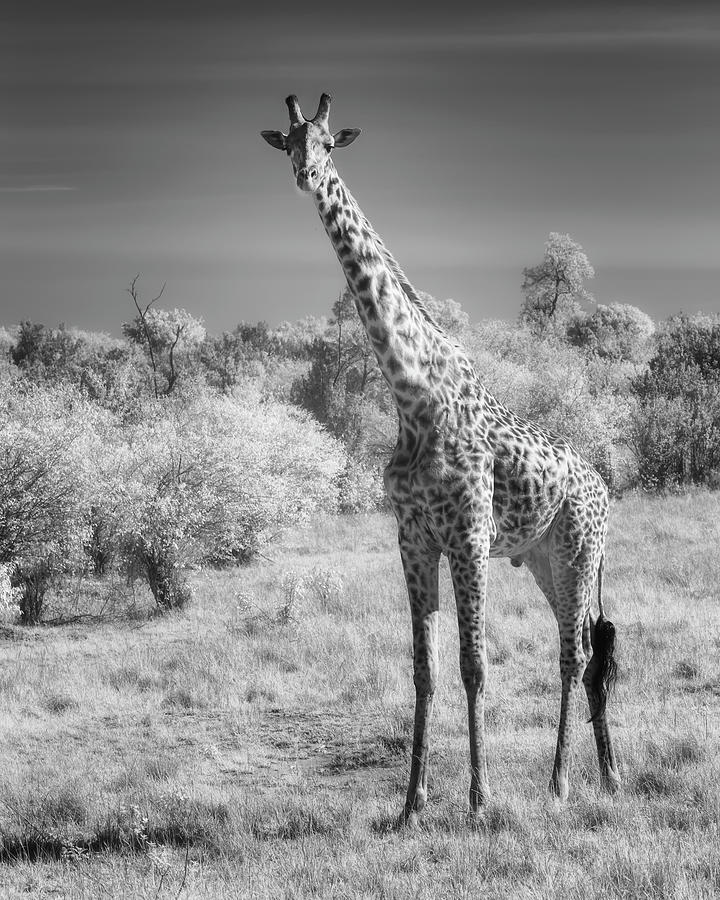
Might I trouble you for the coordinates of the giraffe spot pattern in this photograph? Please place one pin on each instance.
(469, 479)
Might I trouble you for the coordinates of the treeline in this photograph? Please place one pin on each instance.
(170, 448)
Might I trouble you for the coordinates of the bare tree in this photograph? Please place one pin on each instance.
(142, 313)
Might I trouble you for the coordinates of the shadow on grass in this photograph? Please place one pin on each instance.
(385, 750)
(496, 818)
(368, 756)
(40, 846)
(65, 832)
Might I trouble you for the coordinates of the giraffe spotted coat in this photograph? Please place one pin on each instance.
(468, 479)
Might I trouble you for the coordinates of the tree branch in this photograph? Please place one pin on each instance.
(132, 290)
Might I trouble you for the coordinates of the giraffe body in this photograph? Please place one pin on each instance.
(468, 479)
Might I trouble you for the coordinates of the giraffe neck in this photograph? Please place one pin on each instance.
(422, 365)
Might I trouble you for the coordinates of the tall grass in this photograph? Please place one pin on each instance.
(256, 744)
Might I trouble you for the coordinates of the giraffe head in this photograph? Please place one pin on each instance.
(309, 142)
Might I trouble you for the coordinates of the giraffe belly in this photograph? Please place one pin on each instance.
(525, 504)
(516, 535)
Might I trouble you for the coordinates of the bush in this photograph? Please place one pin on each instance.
(187, 481)
(110, 371)
(213, 480)
(618, 332)
(49, 442)
(675, 428)
(361, 488)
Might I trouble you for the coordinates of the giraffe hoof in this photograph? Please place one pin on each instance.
(476, 819)
(409, 820)
(559, 788)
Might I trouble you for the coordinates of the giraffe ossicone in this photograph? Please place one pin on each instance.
(468, 479)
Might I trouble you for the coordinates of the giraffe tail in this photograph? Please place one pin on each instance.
(603, 664)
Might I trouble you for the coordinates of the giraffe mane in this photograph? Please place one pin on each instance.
(402, 279)
(405, 283)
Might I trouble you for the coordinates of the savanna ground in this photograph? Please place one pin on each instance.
(257, 743)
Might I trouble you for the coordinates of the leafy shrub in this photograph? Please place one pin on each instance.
(213, 480)
(188, 481)
(294, 594)
(675, 427)
(361, 488)
(110, 371)
(326, 585)
(619, 332)
(172, 340)
(49, 441)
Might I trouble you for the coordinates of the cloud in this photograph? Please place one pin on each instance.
(36, 188)
(477, 39)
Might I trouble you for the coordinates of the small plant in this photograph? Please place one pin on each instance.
(139, 827)
(294, 588)
(247, 618)
(73, 852)
(326, 585)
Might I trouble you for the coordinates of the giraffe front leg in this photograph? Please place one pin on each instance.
(421, 575)
(572, 663)
(469, 569)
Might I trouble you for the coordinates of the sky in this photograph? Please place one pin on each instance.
(130, 144)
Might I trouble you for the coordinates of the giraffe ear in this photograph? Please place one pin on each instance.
(276, 139)
(345, 137)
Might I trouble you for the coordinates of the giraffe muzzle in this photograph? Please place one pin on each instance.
(307, 178)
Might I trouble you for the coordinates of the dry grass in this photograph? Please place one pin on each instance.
(257, 744)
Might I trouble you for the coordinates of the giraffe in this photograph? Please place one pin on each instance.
(468, 479)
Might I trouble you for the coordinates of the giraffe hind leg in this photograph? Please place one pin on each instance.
(567, 590)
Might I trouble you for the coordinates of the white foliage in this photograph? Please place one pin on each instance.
(216, 478)
(50, 442)
(9, 595)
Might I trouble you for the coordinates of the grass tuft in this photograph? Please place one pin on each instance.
(504, 816)
(59, 702)
(658, 782)
(685, 670)
(295, 820)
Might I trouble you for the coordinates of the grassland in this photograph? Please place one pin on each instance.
(257, 743)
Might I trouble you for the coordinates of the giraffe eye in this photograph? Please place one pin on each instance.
(328, 146)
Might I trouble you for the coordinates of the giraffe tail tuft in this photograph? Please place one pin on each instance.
(604, 666)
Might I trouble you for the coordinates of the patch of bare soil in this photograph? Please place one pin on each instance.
(281, 748)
